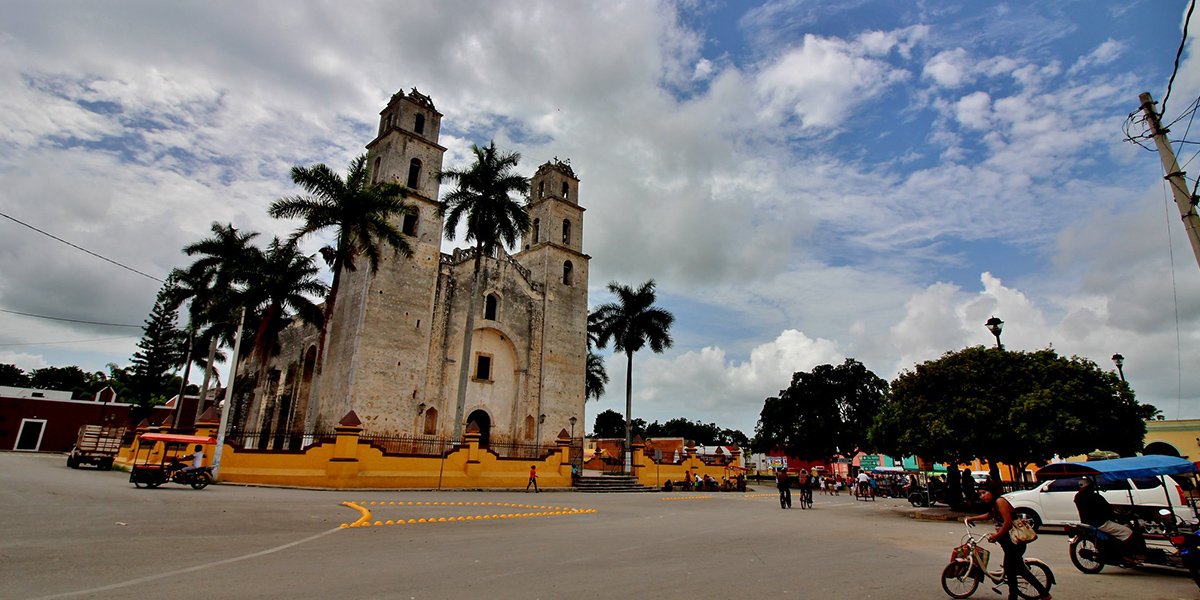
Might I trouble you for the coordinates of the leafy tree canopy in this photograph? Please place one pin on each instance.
(823, 413)
(1012, 407)
(704, 434)
(610, 424)
(13, 376)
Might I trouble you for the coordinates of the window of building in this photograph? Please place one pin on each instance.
(567, 273)
(431, 416)
(483, 367)
(490, 306)
(566, 190)
(414, 174)
(541, 189)
(375, 171)
(537, 225)
(419, 123)
(410, 225)
(566, 231)
(530, 427)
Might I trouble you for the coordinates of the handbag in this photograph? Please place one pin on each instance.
(1021, 532)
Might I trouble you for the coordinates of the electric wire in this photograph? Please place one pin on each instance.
(1167, 202)
(77, 247)
(1179, 53)
(120, 337)
(23, 314)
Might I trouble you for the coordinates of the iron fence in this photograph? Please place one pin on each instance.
(297, 441)
(410, 445)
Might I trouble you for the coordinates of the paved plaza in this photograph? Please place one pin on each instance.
(90, 534)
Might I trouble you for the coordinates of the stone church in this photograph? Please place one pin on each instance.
(395, 338)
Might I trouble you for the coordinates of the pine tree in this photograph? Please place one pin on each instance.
(161, 349)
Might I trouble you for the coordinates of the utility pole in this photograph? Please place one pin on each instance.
(228, 404)
(1183, 199)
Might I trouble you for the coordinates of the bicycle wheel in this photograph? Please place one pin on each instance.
(957, 579)
(1041, 573)
(808, 498)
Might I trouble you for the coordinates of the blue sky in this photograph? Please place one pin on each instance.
(806, 181)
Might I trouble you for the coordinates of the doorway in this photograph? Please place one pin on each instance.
(484, 422)
(29, 437)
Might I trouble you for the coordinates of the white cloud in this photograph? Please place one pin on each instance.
(949, 69)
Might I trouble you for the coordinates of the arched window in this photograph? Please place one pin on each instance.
(566, 190)
(541, 189)
(419, 123)
(410, 225)
(414, 174)
(431, 416)
(491, 304)
(567, 273)
(375, 171)
(537, 225)
(567, 231)
(530, 427)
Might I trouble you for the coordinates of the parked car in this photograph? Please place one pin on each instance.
(1052, 502)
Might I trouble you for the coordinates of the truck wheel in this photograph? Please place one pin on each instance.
(106, 464)
(72, 462)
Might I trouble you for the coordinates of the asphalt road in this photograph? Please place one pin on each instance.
(90, 534)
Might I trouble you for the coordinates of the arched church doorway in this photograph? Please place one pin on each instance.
(484, 422)
(1161, 448)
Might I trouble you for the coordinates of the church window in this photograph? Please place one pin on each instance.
(530, 427)
(567, 231)
(491, 304)
(410, 225)
(419, 124)
(566, 190)
(375, 171)
(567, 273)
(431, 416)
(537, 224)
(541, 189)
(483, 367)
(414, 174)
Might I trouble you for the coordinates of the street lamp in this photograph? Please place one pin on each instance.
(995, 325)
(1120, 362)
(573, 420)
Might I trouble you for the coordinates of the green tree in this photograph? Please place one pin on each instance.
(610, 424)
(483, 200)
(13, 376)
(597, 376)
(67, 379)
(285, 280)
(361, 215)
(704, 434)
(160, 350)
(823, 413)
(1012, 407)
(632, 322)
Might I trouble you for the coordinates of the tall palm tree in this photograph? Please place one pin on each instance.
(493, 218)
(361, 214)
(631, 323)
(285, 280)
(596, 377)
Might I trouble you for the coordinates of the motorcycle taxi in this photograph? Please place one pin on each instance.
(159, 459)
(1161, 535)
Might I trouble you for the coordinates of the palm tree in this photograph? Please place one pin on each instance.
(284, 281)
(361, 214)
(596, 376)
(631, 323)
(484, 200)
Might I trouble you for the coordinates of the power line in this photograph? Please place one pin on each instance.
(69, 320)
(1178, 54)
(50, 235)
(122, 337)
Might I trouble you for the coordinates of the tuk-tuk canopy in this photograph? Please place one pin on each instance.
(172, 437)
(1118, 468)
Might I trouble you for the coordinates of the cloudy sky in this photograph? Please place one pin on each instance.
(805, 180)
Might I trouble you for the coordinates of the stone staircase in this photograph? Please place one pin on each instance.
(611, 483)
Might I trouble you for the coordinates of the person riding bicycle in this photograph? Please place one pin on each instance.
(804, 484)
(1001, 513)
(785, 491)
(1094, 510)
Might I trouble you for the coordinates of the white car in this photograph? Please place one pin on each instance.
(1053, 502)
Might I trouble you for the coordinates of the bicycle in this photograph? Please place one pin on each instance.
(968, 567)
(785, 498)
(806, 497)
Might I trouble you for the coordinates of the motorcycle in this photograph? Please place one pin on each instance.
(1092, 549)
(161, 464)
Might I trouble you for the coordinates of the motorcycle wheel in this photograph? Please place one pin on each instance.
(1041, 573)
(153, 484)
(201, 481)
(1085, 556)
(957, 579)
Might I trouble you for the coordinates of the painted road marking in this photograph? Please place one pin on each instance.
(543, 511)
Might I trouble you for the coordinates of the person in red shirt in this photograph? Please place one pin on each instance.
(532, 479)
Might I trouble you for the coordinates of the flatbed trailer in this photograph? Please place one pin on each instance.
(96, 445)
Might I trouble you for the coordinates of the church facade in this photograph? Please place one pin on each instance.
(394, 341)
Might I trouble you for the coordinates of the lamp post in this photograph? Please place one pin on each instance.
(573, 420)
(995, 326)
(1120, 362)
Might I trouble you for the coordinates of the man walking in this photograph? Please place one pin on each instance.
(532, 479)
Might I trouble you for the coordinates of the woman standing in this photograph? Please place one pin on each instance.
(1001, 513)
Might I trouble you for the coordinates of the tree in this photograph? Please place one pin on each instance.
(160, 350)
(597, 376)
(631, 323)
(483, 200)
(72, 379)
(13, 376)
(284, 279)
(359, 212)
(610, 424)
(1012, 407)
(703, 434)
(823, 413)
